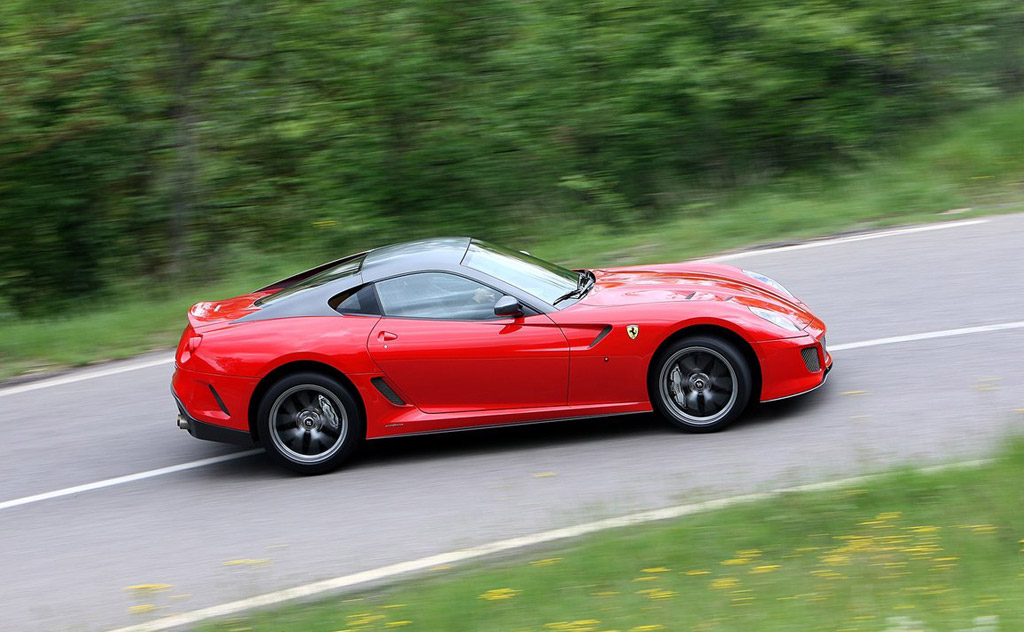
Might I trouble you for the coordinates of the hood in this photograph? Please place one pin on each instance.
(682, 282)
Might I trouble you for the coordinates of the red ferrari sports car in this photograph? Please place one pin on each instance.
(456, 333)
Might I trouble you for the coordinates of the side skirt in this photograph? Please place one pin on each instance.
(506, 424)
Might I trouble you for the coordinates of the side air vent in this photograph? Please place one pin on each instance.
(810, 355)
(386, 390)
(604, 332)
(220, 402)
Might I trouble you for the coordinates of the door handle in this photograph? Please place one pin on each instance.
(384, 336)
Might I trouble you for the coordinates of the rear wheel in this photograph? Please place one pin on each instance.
(309, 423)
(700, 384)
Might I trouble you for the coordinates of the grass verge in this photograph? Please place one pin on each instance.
(974, 160)
(939, 551)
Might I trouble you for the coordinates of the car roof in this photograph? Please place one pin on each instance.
(440, 253)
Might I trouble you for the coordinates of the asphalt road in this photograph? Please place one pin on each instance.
(66, 561)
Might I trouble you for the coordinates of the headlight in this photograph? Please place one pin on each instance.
(757, 276)
(775, 318)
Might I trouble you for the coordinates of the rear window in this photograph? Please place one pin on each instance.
(362, 300)
(348, 267)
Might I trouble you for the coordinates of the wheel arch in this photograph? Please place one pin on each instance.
(290, 368)
(717, 331)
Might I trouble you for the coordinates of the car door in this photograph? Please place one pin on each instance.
(441, 345)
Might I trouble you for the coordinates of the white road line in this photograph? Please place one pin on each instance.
(110, 482)
(60, 380)
(946, 333)
(393, 570)
(842, 240)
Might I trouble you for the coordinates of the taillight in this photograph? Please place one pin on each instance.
(188, 344)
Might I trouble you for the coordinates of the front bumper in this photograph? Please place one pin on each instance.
(786, 372)
(824, 378)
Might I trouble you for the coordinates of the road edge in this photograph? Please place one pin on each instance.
(406, 570)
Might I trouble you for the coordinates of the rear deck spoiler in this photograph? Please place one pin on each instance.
(302, 276)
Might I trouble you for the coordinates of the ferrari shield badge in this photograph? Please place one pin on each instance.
(632, 331)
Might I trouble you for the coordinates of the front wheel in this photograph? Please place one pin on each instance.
(309, 423)
(700, 384)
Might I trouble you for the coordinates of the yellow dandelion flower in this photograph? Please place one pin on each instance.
(580, 625)
(736, 561)
(548, 561)
(142, 608)
(656, 569)
(647, 628)
(148, 587)
(724, 583)
(767, 568)
(498, 594)
(247, 562)
(701, 571)
(397, 624)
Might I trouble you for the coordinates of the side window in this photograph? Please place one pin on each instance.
(357, 301)
(437, 295)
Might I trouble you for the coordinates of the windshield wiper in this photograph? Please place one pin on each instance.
(585, 281)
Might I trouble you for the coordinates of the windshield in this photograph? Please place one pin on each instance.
(540, 278)
(345, 268)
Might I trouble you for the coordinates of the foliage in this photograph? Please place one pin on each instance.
(147, 139)
(974, 159)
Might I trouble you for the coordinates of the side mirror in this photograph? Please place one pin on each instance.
(508, 306)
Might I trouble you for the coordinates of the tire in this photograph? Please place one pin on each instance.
(700, 383)
(309, 423)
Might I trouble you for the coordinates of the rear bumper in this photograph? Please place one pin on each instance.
(213, 407)
(210, 432)
(786, 369)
